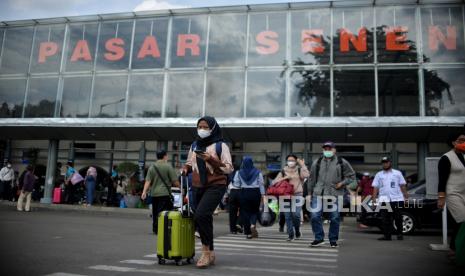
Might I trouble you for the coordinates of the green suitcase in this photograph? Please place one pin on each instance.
(176, 240)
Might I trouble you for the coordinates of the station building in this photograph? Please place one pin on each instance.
(378, 77)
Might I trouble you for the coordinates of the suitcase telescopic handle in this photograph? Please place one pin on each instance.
(183, 180)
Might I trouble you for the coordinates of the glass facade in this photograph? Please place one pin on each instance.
(323, 62)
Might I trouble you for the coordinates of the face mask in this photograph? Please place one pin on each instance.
(460, 147)
(328, 153)
(203, 133)
(291, 164)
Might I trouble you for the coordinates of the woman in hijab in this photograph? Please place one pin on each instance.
(209, 163)
(250, 181)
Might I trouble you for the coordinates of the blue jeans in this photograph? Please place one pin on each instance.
(293, 220)
(317, 224)
(90, 187)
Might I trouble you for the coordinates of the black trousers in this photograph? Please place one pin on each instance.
(159, 204)
(455, 231)
(389, 217)
(207, 199)
(250, 206)
(234, 205)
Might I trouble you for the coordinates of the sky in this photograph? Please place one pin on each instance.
(36, 9)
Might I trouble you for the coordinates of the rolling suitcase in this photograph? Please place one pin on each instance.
(176, 239)
(57, 194)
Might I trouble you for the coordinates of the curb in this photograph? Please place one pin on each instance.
(97, 210)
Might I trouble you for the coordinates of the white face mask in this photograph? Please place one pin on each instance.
(8, 166)
(203, 133)
(291, 164)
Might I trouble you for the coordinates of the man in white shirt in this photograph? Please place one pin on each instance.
(7, 175)
(391, 187)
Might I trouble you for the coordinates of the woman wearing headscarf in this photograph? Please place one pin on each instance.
(250, 182)
(209, 165)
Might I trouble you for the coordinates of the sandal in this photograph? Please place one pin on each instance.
(205, 260)
(212, 258)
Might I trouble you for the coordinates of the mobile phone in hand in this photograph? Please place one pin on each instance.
(199, 151)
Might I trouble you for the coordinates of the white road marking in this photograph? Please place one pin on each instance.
(220, 244)
(141, 262)
(64, 274)
(284, 257)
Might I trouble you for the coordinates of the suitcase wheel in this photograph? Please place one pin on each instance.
(178, 262)
(161, 261)
(190, 260)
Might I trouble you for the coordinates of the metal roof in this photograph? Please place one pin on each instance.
(223, 9)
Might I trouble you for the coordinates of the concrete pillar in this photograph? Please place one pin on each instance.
(111, 156)
(286, 149)
(51, 170)
(7, 155)
(71, 152)
(395, 156)
(422, 153)
(142, 154)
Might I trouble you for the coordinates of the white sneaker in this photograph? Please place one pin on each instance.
(196, 234)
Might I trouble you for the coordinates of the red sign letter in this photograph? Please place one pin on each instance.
(359, 43)
(396, 38)
(47, 49)
(435, 35)
(81, 51)
(149, 47)
(312, 41)
(270, 46)
(188, 41)
(115, 51)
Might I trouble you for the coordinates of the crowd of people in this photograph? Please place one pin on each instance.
(212, 180)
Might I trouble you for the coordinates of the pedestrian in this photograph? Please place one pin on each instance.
(7, 176)
(233, 196)
(160, 178)
(70, 191)
(451, 189)
(209, 160)
(26, 190)
(90, 181)
(295, 172)
(249, 181)
(112, 186)
(329, 176)
(391, 187)
(364, 189)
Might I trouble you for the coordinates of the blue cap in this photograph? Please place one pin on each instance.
(328, 144)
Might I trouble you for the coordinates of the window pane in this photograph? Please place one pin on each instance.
(354, 93)
(266, 94)
(227, 40)
(311, 31)
(145, 96)
(353, 35)
(48, 46)
(150, 44)
(76, 96)
(12, 98)
(41, 97)
(442, 31)
(114, 45)
(444, 92)
(81, 43)
(267, 40)
(225, 94)
(185, 95)
(398, 93)
(16, 50)
(310, 93)
(189, 41)
(396, 34)
(109, 96)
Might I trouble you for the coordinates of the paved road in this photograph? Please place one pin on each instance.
(65, 242)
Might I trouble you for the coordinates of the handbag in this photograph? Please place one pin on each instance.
(282, 188)
(76, 178)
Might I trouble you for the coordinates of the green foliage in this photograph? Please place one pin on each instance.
(127, 168)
